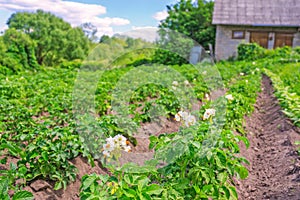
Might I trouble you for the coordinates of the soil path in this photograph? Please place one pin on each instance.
(274, 170)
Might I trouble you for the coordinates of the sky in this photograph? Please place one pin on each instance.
(109, 16)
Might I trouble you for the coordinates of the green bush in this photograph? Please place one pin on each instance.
(166, 57)
(297, 50)
(75, 64)
(17, 52)
(250, 51)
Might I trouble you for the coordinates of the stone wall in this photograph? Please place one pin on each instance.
(226, 47)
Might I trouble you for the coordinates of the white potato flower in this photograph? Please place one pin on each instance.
(106, 153)
(177, 117)
(190, 121)
(209, 113)
(127, 148)
(120, 139)
(109, 146)
(109, 140)
(207, 97)
(183, 114)
(175, 83)
(114, 145)
(186, 118)
(229, 97)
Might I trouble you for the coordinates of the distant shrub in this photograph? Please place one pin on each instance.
(75, 64)
(251, 51)
(283, 51)
(5, 70)
(144, 61)
(297, 50)
(167, 57)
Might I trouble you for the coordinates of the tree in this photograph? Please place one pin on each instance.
(90, 31)
(17, 51)
(104, 39)
(53, 36)
(191, 19)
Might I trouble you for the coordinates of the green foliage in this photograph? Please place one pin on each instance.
(128, 186)
(120, 51)
(187, 23)
(55, 39)
(289, 101)
(201, 161)
(191, 19)
(18, 51)
(38, 128)
(297, 50)
(251, 51)
(167, 57)
(6, 183)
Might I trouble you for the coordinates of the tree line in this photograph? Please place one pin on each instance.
(40, 38)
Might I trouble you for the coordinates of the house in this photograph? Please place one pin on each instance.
(270, 23)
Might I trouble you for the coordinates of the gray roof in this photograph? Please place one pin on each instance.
(257, 12)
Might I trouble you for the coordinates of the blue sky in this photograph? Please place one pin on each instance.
(110, 16)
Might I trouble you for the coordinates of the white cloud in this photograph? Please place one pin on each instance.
(147, 33)
(73, 12)
(161, 15)
(105, 31)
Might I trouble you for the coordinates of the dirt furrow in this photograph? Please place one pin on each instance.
(274, 170)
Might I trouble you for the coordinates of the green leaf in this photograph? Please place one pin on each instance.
(219, 163)
(128, 179)
(226, 191)
(3, 161)
(58, 185)
(245, 140)
(145, 196)
(209, 155)
(233, 192)
(35, 154)
(14, 150)
(153, 189)
(12, 166)
(222, 177)
(242, 172)
(88, 181)
(22, 170)
(142, 183)
(205, 176)
(23, 195)
(196, 144)
(130, 193)
(207, 188)
(45, 156)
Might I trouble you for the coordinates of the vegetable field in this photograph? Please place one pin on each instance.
(200, 155)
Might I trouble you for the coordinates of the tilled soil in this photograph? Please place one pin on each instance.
(274, 170)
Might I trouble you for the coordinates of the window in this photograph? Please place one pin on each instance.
(238, 34)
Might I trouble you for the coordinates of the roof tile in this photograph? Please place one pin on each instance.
(257, 12)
